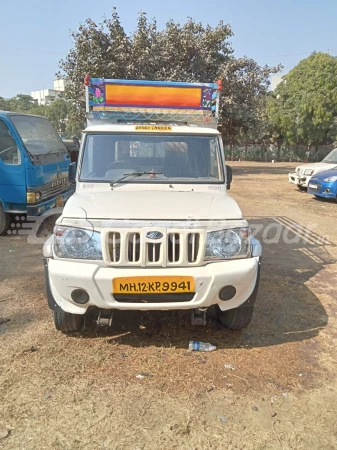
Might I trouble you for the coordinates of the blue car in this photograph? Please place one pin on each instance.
(324, 184)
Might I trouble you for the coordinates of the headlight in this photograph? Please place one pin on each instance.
(33, 197)
(228, 244)
(330, 179)
(77, 243)
(309, 172)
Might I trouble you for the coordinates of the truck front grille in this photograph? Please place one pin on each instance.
(52, 189)
(174, 248)
(54, 192)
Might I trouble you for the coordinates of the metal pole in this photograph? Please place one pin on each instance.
(217, 106)
(87, 99)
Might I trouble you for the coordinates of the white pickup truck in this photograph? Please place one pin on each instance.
(303, 173)
(151, 225)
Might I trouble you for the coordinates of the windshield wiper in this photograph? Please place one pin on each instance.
(133, 174)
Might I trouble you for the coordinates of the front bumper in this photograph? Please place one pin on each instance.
(322, 189)
(55, 202)
(299, 180)
(65, 276)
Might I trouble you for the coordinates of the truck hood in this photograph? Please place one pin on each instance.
(48, 168)
(152, 205)
(317, 167)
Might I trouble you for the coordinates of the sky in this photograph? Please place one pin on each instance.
(35, 34)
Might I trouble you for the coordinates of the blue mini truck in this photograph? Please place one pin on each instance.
(34, 165)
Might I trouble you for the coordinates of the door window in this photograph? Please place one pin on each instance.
(9, 152)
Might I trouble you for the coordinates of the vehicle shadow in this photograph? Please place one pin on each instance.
(324, 200)
(286, 309)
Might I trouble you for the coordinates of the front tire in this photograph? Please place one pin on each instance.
(66, 322)
(5, 221)
(237, 318)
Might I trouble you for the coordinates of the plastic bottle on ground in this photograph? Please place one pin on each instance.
(197, 346)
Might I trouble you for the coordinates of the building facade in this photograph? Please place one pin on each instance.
(275, 80)
(48, 96)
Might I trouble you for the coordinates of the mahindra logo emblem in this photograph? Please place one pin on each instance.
(154, 235)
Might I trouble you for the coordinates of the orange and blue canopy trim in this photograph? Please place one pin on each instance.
(158, 97)
(151, 94)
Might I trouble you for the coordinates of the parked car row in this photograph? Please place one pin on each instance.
(319, 179)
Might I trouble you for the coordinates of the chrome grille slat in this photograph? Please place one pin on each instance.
(153, 252)
(193, 246)
(133, 247)
(114, 241)
(114, 247)
(173, 247)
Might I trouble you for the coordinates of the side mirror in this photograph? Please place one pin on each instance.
(72, 173)
(229, 176)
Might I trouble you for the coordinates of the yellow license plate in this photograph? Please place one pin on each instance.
(59, 202)
(153, 285)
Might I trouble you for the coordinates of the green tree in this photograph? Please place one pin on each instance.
(3, 104)
(75, 124)
(21, 103)
(303, 107)
(38, 110)
(58, 112)
(244, 100)
(188, 52)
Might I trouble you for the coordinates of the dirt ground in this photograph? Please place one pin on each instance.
(280, 392)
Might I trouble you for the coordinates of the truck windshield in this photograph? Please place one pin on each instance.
(332, 157)
(180, 158)
(38, 135)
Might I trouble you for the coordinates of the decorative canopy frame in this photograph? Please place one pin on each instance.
(119, 101)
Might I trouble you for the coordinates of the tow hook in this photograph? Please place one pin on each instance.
(104, 318)
(198, 316)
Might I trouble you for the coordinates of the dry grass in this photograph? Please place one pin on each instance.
(81, 391)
